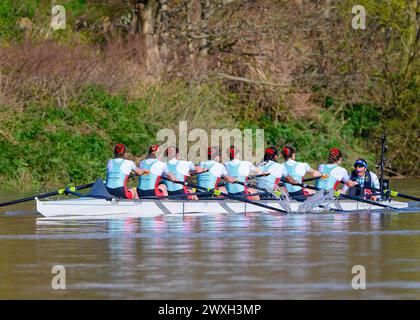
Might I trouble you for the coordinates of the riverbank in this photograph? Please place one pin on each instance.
(68, 95)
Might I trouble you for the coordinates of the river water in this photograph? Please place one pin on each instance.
(252, 256)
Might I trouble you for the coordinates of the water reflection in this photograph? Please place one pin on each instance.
(248, 256)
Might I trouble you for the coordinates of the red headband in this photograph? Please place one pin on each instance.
(335, 151)
(153, 148)
(286, 151)
(120, 148)
(269, 151)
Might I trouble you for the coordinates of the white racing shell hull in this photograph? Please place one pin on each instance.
(88, 207)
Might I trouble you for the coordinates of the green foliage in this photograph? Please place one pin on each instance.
(10, 12)
(361, 119)
(48, 146)
(53, 146)
(313, 138)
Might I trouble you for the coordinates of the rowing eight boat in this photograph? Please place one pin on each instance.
(89, 207)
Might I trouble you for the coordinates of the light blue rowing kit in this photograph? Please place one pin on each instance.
(331, 182)
(171, 186)
(233, 171)
(148, 184)
(115, 178)
(291, 171)
(270, 180)
(207, 179)
(118, 171)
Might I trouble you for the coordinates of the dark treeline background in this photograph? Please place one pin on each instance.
(123, 69)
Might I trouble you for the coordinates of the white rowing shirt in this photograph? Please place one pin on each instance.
(244, 169)
(301, 167)
(158, 168)
(338, 172)
(276, 171)
(183, 167)
(126, 167)
(217, 169)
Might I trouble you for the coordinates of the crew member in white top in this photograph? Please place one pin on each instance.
(215, 170)
(297, 171)
(118, 172)
(240, 170)
(276, 171)
(149, 186)
(181, 169)
(335, 172)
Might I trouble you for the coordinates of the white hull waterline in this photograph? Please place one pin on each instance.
(88, 207)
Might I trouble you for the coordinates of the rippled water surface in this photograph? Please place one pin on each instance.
(252, 256)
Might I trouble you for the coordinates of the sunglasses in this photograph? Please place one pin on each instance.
(359, 166)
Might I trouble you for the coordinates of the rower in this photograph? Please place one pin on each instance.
(297, 171)
(118, 171)
(149, 185)
(335, 172)
(240, 170)
(180, 169)
(276, 171)
(365, 178)
(215, 170)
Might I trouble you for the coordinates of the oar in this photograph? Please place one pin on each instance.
(345, 196)
(48, 194)
(281, 184)
(95, 196)
(197, 173)
(369, 195)
(258, 175)
(392, 193)
(219, 193)
(276, 193)
(398, 194)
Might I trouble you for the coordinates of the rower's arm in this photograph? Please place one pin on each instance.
(317, 174)
(351, 183)
(170, 176)
(290, 180)
(229, 179)
(198, 169)
(258, 171)
(141, 171)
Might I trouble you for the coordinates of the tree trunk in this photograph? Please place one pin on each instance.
(411, 41)
(193, 28)
(151, 45)
(163, 32)
(205, 16)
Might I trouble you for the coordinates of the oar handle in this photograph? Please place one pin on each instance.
(258, 175)
(197, 173)
(282, 183)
